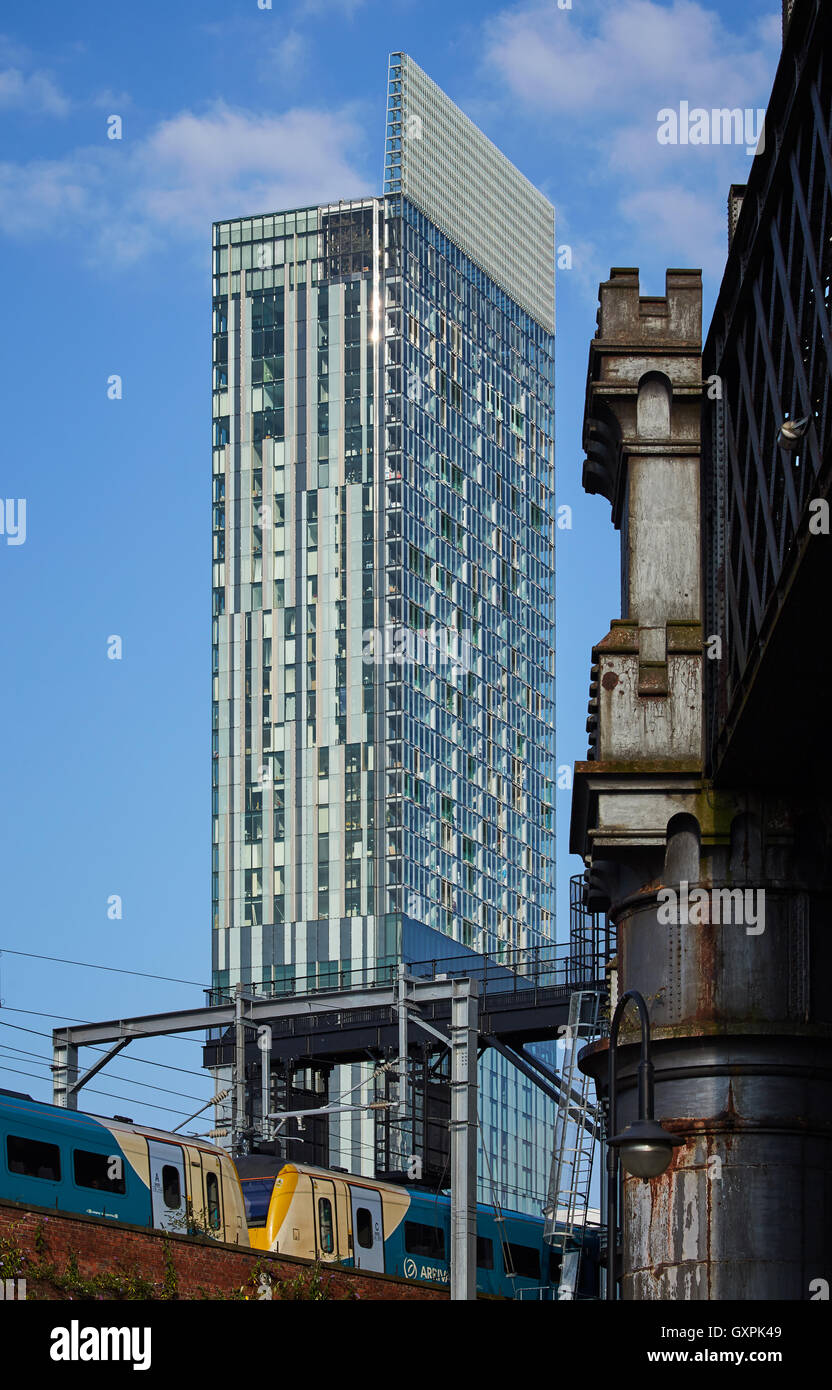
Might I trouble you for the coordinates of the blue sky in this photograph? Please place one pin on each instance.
(229, 109)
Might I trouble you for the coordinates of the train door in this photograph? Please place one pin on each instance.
(214, 1215)
(326, 1228)
(167, 1185)
(367, 1229)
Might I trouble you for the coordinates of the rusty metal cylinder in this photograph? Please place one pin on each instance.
(741, 1021)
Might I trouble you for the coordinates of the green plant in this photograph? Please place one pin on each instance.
(189, 1223)
(12, 1258)
(310, 1286)
(170, 1283)
(43, 1273)
(313, 1284)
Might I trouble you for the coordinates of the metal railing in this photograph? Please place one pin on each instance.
(515, 970)
(591, 936)
(577, 964)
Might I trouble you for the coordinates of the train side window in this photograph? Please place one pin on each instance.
(364, 1228)
(325, 1223)
(33, 1159)
(171, 1189)
(485, 1253)
(421, 1239)
(104, 1172)
(524, 1260)
(212, 1190)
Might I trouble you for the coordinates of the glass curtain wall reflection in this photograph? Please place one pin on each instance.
(383, 609)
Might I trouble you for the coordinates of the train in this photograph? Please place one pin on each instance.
(112, 1168)
(339, 1218)
(52, 1157)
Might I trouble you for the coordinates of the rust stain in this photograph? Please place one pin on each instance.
(610, 680)
(709, 964)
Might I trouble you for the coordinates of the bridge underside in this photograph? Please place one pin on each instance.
(317, 1042)
(765, 744)
(515, 1017)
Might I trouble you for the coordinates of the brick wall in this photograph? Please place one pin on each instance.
(59, 1251)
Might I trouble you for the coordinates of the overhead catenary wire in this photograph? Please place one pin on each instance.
(145, 1061)
(131, 1100)
(67, 1018)
(148, 1104)
(541, 1147)
(112, 969)
(116, 1076)
(90, 965)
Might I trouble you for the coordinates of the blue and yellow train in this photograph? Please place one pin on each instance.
(73, 1162)
(337, 1218)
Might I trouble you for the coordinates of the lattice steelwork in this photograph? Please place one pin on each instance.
(770, 346)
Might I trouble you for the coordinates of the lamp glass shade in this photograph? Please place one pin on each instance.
(645, 1148)
(645, 1160)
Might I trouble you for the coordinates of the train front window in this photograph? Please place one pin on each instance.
(325, 1223)
(102, 1172)
(33, 1159)
(421, 1239)
(257, 1193)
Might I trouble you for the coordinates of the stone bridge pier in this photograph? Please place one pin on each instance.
(720, 894)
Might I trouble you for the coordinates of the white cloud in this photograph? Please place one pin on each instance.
(587, 267)
(637, 53)
(111, 101)
(596, 77)
(49, 196)
(13, 53)
(197, 168)
(191, 170)
(690, 229)
(290, 55)
(35, 93)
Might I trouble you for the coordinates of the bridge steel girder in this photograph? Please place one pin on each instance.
(462, 997)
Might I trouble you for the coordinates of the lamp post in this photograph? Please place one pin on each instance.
(645, 1147)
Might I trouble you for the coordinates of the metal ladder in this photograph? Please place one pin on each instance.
(577, 1123)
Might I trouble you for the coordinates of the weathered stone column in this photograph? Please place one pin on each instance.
(721, 897)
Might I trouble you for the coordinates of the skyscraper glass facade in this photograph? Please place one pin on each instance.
(383, 706)
(296, 526)
(468, 469)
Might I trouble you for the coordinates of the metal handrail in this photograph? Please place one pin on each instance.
(518, 970)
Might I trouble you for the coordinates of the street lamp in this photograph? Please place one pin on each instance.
(644, 1146)
(792, 433)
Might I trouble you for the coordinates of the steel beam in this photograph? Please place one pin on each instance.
(238, 1093)
(403, 1067)
(548, 1081)
(259, 1011)
(74, 1087)
(64, 1070)
(464, 1017)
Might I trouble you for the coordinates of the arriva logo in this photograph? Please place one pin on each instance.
(414, 1271)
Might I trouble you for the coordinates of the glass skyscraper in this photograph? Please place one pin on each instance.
(383, 589)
